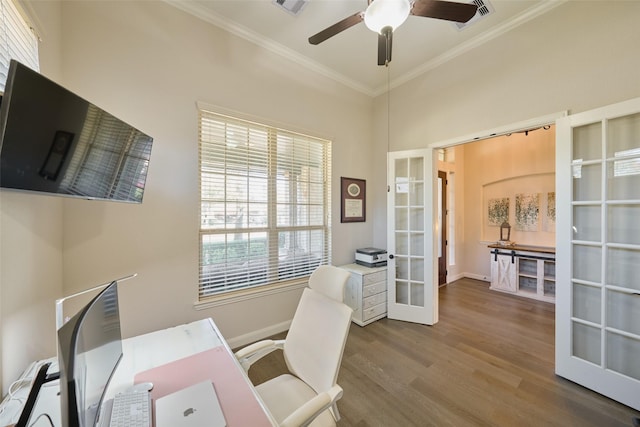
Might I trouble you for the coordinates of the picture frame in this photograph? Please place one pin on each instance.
(353, 199)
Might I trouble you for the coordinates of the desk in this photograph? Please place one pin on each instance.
(196, 345)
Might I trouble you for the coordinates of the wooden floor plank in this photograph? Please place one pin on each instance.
(489, 361)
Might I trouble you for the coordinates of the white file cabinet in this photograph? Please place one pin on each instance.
(366, 293)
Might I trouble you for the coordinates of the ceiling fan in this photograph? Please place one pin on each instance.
(384, 16)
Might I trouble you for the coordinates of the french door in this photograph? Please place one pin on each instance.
(412, 268)
(598, 250)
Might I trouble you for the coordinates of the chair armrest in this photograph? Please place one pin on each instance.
(304, 415)
(250, 354)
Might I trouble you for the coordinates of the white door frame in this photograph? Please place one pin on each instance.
(431, 178)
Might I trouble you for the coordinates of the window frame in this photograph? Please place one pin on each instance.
(18, 39)
(272, 229)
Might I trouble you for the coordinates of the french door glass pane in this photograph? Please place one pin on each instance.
(416, 168)
(622, 179)
(416, 195)
(622, 355)
(623, 312)
(402, 267)
(402, 243)
(623, 135)
(402, 219)
(401, 167)
(587, 182)
(623, 224)
(402, 292)
(417, 244)
(586, 303)
(623, 268)
(417, 269)
(587, 142)
(417, 219)
(417, 294)
(587, 263)
(586, 342)
(586, 223)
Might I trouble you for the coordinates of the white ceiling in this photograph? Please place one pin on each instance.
(350, 57)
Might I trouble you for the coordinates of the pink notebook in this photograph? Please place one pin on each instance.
(236, 397)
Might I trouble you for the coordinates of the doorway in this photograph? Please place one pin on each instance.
(442, 228)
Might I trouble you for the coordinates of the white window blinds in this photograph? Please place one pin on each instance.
(17, 40)
(265, 204)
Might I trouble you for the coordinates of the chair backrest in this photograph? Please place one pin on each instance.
(318, 333)
(330, 281)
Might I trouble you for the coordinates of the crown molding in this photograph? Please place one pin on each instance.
(497, 31)
(234, 28)
(207, 15)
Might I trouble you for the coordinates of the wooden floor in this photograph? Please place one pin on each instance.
(489, 361)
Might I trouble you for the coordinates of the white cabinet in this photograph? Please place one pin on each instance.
(524, 270)
(503, 273)
(366, 293)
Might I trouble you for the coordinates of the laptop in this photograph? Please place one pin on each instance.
(193, 406)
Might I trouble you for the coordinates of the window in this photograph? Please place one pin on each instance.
(17, 40)
(265, 204)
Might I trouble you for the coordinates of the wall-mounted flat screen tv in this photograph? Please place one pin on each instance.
(53, 141)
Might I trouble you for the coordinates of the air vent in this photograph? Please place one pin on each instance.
(294, 7)
(484, 9)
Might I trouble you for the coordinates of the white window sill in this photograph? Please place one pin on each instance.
(247, 294)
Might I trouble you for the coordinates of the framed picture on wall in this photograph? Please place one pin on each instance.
(352, 200)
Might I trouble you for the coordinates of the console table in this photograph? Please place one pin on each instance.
(527, 271)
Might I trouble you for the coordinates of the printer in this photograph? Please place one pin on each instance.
(371, 257)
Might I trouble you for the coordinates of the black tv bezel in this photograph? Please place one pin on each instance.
(6, 99)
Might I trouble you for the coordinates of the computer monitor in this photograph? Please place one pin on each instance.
(89, 350)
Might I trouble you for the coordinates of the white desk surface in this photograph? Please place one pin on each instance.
(144, 352)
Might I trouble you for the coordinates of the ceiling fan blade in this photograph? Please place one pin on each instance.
(385, 39)
(337, 28)
(447, 10)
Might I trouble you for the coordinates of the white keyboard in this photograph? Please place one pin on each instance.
(131, 409)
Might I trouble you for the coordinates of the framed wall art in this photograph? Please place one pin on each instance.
(352, 199)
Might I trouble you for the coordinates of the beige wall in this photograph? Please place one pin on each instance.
(149, 63)
(576, 57)
(30, 253)
(515, 164)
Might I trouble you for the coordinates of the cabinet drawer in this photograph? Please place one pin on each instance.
(374, 277)
(376, 288)
(374, 311)
(374, 300)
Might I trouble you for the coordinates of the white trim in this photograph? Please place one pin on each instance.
(248, 294)
(476, 277)
(494, 32)
(234, 28)
(501, 130)
(224, 23)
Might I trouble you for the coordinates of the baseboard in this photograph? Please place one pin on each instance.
(260, 334)
(453, 278)
(477, 277)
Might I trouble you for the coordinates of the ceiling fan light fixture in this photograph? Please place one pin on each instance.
(386, 13)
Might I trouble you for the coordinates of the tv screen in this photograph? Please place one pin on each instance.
(55, 142)
(89, 350)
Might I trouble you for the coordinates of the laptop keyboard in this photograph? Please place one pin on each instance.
(131, 409)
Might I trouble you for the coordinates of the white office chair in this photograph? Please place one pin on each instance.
(313, 348)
